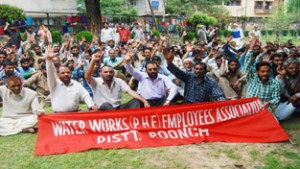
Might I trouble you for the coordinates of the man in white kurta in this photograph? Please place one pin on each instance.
(20, 108)
(66, 94)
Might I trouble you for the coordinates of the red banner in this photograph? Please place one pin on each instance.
(242, 120)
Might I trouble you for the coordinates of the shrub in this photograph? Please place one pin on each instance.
(285, 32)
(293, 32)
(270, 32)
(189, 36)
(226, 32)
(86, 34)
(263, 32)
(131, 35)
(56, 36)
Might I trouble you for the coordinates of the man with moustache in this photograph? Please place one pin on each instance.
(25, 69)
(152, 85)
(107, 89)
(260, 84)
(198, 86)
(20, 108)
(66, 94)
(124, 35)
(289, 79)
(233, 81)
(8, 70)
(39, 83)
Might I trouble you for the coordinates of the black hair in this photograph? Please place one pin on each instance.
(262, 63)
(8, 62)
(150, 62)
(236, 61)
(202, 64)
(23, 60)
(2, 52)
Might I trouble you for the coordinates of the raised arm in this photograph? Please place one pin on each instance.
(97, 57)
(129, 68)
(51, 77)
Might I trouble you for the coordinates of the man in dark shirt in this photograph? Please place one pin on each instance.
(198, 86)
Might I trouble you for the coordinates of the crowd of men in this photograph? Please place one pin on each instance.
(154, 71)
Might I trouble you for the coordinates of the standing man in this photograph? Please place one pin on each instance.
(198, 86)
(138, 32)
(124, 34)
(20, 108)
(107, 89)
(66, 94)
(153, 86)
(106, 33)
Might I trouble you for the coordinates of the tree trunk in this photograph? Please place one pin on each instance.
(93, 13)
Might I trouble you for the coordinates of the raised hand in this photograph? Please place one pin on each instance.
(97, 56)
(50, 54)
(168, 54)
(127, 58)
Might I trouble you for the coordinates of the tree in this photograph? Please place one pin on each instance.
(93, 13)
(222, 14)
(188, 7)
(11, 13)
(201, 18)
(293, 7)
(279, 21)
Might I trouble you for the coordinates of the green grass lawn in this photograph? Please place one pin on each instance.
(18, 152)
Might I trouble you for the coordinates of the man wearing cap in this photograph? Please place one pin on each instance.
(237, 33)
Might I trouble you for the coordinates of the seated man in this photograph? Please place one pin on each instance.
(107, 89)
(232, 81)
(8, 70)
(260, 84)
(66, 94)
(25, 69)
(20, 108)
(39, 83)
(289, 79)
(198, 86)
(152, 85)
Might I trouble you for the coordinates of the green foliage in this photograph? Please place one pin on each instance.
(188, 7)
(293, 7)
(226, 32)
(11, 13)
(189, 36)
(270, 32)
(156, 33)
(201, 18)
(56, 36)
(86, 34)
(246, 33)
(244, 18)
(263, 32)
(285, 32)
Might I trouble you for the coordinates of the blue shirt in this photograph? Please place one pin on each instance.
(3, 76)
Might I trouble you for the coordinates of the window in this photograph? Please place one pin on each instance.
(258, 5)
(268, 5)
(233, 3)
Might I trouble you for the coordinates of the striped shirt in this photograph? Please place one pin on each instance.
(268, 92)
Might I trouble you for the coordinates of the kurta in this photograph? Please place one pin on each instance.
(19, 111)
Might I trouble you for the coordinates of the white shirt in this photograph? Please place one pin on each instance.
(106, 35)
(66, 98)
(102, 93)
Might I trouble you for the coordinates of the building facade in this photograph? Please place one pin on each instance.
(143, 8)
(250, 8)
